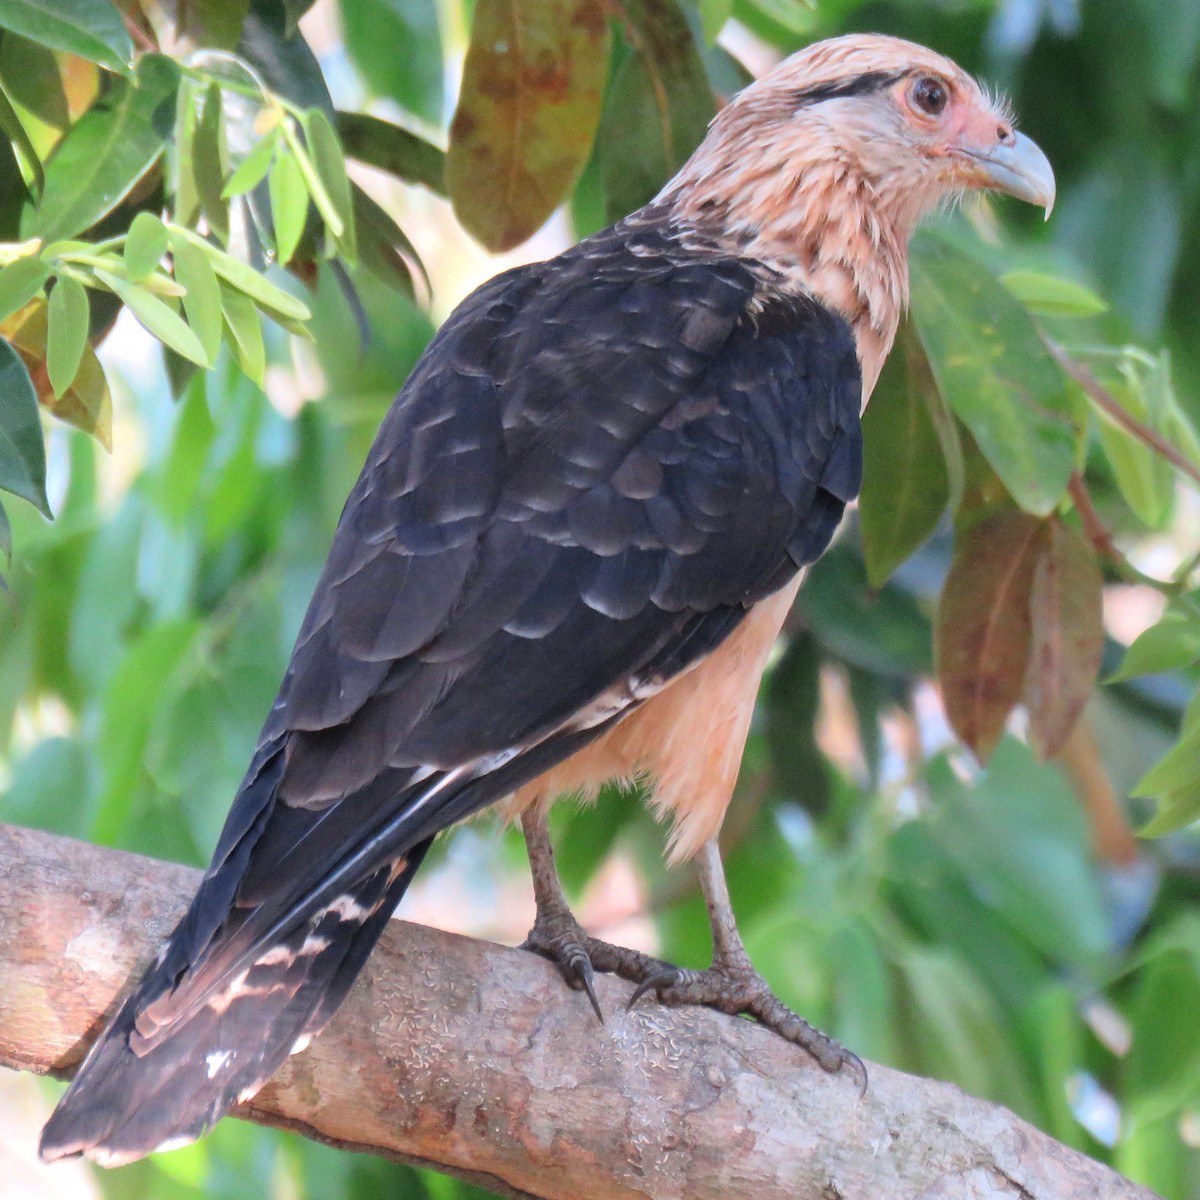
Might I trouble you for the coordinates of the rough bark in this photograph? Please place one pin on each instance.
(473, 1058)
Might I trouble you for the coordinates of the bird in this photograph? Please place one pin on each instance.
(566, 560)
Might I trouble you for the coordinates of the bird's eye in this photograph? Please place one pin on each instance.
(930, 95)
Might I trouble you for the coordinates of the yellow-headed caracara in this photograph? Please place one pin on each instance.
(565, 561)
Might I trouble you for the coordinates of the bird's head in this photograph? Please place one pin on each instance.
(824, 166)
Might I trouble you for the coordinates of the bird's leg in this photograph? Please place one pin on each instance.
(556, 934)
(732, 985)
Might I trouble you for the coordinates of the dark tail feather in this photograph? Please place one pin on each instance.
(126, 1100)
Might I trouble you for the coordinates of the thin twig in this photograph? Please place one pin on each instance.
(1112, 407)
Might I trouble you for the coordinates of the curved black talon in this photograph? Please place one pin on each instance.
(576, 968)
(658, 983)
(574, 963)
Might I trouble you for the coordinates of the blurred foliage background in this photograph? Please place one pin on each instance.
(1030, 510)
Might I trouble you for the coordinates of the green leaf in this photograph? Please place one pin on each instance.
(210, 22)
(106, 152)
(330, 164)
(67, 334)
(1146, 481)
(131, 703)
(202, 301)
(1171, 644)
(159, 318)
(181, 180)
(289, 205)
(22, 453)
(20, 281)
(995, 373)
(93, 29)
(796, 16)
(713, 16)
(210, 159)
(316, 189)
(1067, 636)
(252, 170)
(532, 91)
(245, 278)
(393, 149)
(983, 632)
(145, 246)
(397, 47)
(384, 249)
(905, 484)
(14, 129)
(87, 403)
(245, 329)
(658, 108)
(1053, 296)
(1164, 1053)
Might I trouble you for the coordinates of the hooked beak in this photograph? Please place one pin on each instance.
(1020, 169)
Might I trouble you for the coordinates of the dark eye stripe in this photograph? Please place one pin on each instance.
(856, 85)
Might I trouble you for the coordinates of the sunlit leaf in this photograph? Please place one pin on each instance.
(14, 130)
(33, 81)
(530, 103)
(182, 179)
(22, 455)
(312, 181)
(713, 15)
(1146, 480)
(210, 158)
(245, 329)
(330, 166)
(159, 318)
(106, 152)
(995, 373)
(983, 630)
(145, 246)
(1067, 636)
(289, 205)
(1053, 296)
(393, 149)
(93, 29)
(87, 403)
(20, 281)
(252, 170)
(245, 278)
(794, 15)
(202, 301)
(1173, 643)
(67, 335)
(658, 108)
(905, 483)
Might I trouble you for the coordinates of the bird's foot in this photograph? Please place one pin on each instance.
(737, 989)
(556, 936)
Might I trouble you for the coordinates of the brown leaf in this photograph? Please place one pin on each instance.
(87, 403)
(531, 96)
(983, 630)
(1067, 636)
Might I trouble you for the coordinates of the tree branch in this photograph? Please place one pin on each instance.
(475, 1059)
